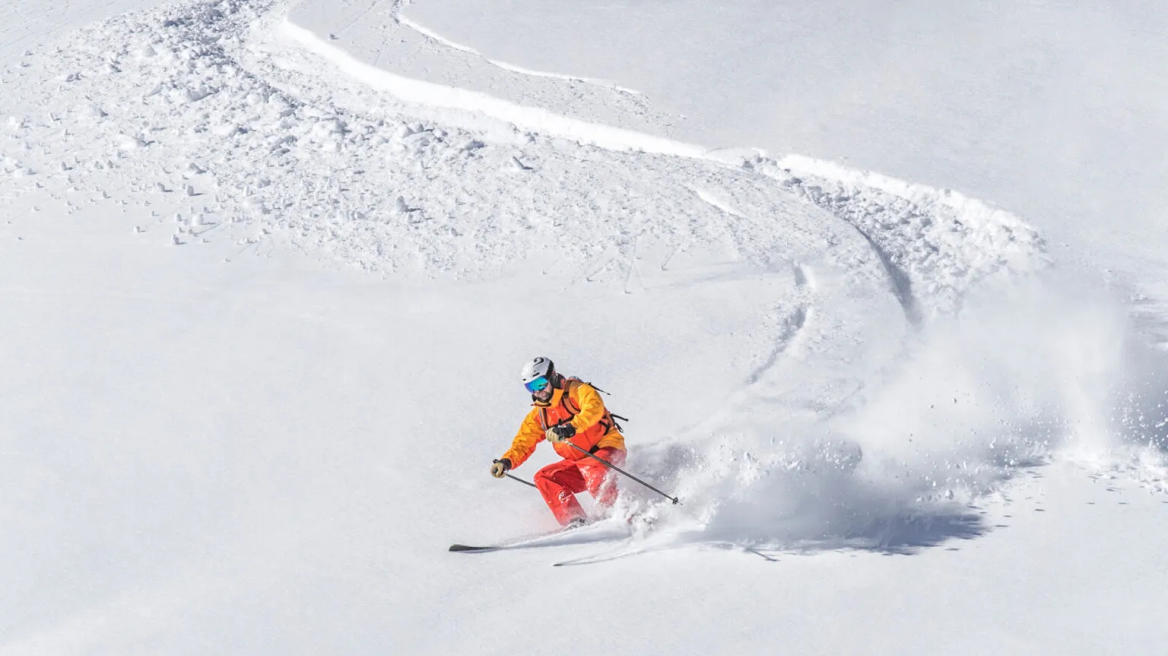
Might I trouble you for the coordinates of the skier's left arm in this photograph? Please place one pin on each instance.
(591, 408)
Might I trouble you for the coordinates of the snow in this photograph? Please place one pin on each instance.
(269, 271)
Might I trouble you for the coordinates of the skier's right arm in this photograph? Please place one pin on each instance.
(529, 436)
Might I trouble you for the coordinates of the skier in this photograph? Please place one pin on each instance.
(566, 411)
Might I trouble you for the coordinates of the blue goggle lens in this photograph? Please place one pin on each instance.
(537, 384)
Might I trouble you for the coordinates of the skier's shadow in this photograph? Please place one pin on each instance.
(903, 535)
(908, 535)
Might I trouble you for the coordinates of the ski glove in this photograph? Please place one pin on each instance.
(500, 467)
(561, 433)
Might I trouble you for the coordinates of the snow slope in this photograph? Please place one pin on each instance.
(264, 305)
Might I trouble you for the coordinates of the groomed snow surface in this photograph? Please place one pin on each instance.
(265, 299)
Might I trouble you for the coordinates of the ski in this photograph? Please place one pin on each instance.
(544, 540)
(512, 543)
(586, 533)
(467, 547)
(600, 558)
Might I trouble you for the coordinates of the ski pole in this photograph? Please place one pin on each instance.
(612, 466)
(516, 478)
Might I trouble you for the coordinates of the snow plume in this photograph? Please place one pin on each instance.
(1037, 368)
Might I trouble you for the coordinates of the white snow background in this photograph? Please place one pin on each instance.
(880, 286)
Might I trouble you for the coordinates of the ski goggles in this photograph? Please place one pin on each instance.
(537, 385)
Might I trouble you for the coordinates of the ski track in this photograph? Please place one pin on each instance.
(429, 34)
(418, 53)
(228, 123)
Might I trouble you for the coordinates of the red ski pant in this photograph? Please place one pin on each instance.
(560, 482)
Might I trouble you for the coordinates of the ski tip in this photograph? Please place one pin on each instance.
(469, 549)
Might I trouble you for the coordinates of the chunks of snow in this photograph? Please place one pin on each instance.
(130, 142)
(91, 110)
(327, 128)
(225, 130)
(197, 93)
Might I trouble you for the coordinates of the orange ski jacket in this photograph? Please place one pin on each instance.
(577, 403)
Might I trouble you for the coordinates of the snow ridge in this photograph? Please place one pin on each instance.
(527, 118)
(938, 243)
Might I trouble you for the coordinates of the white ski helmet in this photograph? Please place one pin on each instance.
(539, 367)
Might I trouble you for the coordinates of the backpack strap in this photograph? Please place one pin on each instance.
(606, 421)
(566, 398)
